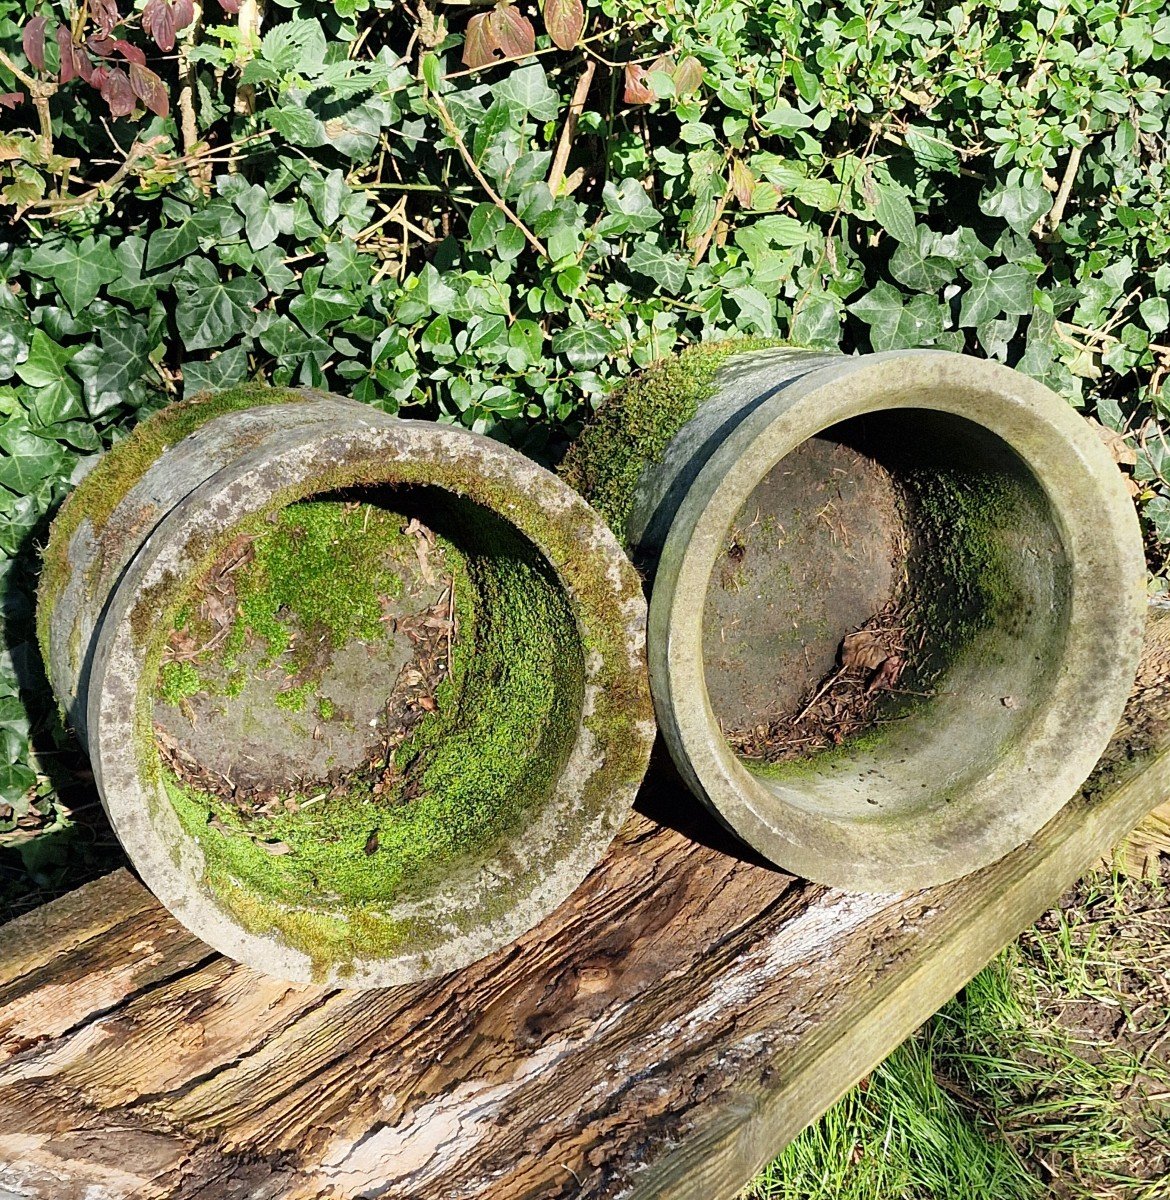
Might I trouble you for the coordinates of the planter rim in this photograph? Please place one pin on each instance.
(1070, 728)
(518, 884)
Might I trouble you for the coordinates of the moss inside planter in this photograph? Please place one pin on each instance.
(323, 858)
(121, 467)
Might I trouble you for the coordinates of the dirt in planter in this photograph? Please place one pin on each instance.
(806, 623)
(845, 704)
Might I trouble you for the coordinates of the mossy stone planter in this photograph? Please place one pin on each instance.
(897, 599)
(365, 698)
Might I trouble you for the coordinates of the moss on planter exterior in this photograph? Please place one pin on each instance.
(121, 467)
(636, 423)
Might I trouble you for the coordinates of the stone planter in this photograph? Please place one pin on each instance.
(897, 599)
(365, 698)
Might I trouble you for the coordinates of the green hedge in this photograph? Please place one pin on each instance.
(361, 198)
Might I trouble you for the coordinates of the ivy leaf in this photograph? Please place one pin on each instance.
(585, 345)
(1005, 289)
(264, 220)
(25, 458)
(817, 324)
(57, 396)
(527, 88)
(169, 243)
(324, 305)
(212, 310)
(1019, 205)
(895, 324)
(919, 264)
(666, 268)
(224, 370)
(565, 22)
(78, 269)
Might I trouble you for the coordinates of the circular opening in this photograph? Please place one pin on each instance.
(886, 615)
(358, 699)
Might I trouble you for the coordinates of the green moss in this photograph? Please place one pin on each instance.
(121, 467)
(294, 699)
(321, 571)
(637, 422)
(503, 726)
(177, 681)
(961, 580)
(325, 708)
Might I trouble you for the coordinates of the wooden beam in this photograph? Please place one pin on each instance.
(685, 1013)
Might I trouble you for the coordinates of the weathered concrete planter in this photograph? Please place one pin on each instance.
(472, 737)
(958, 514)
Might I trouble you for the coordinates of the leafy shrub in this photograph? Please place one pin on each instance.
(489, 217)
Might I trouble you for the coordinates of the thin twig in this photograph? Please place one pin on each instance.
(453, 133)
(39, 93)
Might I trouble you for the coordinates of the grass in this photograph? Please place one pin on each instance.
(1047, 1076)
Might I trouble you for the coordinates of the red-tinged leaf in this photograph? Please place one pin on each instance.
(636, 90)
(10, 99)
(105, 15)
(82, 63)
(688, 75)
(743, 182)
(158, 22)
(101, 46)
(117, 92)
(130, 53)
(182, 13)
(33, 42)
(230, 6)
(147, 86)
(565, 21)
(480, 47)
(664, 63)
(97, 77)
(512, 30)
(65, 46)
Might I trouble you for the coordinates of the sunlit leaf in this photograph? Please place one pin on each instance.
(565, 21)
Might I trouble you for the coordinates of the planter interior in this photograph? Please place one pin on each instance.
(925, 537)
(897, 598)
(365, 690)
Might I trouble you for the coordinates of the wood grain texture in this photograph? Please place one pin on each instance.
(685, 1013)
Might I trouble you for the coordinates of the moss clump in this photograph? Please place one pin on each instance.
(637, 422)
(177, 681)
(325, 708)
(319, 571)
(121, 467)
(473, 770)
